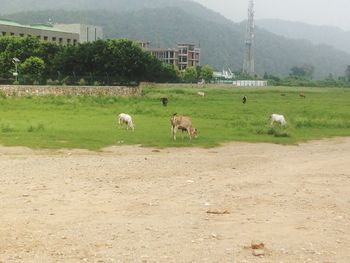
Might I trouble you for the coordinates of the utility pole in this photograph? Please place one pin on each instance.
(16, 61)
(249, 60)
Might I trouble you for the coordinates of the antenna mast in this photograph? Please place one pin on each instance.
(248, 65)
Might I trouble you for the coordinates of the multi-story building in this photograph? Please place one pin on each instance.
(189, 56)
(144, 44)
(62, 34)
(167, 55)
(40, 31)
(185, 55)
(87, 33)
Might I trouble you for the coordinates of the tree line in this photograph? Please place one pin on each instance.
(116, 62)
(302, 75)
(103, 62)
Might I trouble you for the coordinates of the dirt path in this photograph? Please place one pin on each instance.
(133, 204)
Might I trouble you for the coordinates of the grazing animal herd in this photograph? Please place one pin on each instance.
(184, 123)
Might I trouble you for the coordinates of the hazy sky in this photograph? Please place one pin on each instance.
(318, 12)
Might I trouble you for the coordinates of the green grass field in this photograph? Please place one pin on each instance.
(90, 122)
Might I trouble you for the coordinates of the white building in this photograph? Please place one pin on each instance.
(43, 32)
(87, 33)
(250, 83)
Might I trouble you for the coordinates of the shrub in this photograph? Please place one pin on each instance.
(34, 128)
(65, 81)
(33, 68)
(275, 131)
(6, 127)
(51, 82)
(82, 82)
(2, 95)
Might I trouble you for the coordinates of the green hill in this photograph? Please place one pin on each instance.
(328, 35)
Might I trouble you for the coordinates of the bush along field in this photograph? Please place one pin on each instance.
(220, 116)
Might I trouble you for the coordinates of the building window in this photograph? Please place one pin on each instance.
(46, 38)
(4, 33)
(12, 34)
(75, 42)
(54, 39)
(60, 40)
(69, 41)
(29, 35)
(38, 37)
(21, 35)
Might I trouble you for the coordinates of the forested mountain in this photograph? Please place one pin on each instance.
(328, 35)
(221, 40)
(114, 6)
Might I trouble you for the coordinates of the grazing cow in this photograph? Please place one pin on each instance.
(278, 119)
(200, 93)
(164, 101)
(127, 120)
(244, 99)
(302, 95)
(183, 123)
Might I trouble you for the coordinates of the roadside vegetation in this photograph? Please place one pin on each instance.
(90, 122)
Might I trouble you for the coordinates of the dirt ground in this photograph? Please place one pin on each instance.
(134, 204)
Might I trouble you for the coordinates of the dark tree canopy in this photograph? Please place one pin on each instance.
(104, 61)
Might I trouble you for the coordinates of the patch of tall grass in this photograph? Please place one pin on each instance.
(90, 122)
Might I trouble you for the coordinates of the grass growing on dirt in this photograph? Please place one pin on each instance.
(90, 122)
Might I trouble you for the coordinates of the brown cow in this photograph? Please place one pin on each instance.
(183, 123)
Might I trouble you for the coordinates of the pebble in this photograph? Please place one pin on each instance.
(256, 244)
(258, 252)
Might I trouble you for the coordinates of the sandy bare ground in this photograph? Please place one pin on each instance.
(133, 204)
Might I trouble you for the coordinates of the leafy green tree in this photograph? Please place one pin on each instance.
(16, 47)
(347, 73)
(32, 69)
(190, 75)
(206, 73)
(302, 72)
(178, 73)
(47, 52)
(105, 61)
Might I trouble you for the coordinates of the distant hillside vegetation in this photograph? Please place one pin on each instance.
(328, 35)
(196, 9)
(221, 41)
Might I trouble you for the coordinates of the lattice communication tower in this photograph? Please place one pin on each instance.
(249, 60)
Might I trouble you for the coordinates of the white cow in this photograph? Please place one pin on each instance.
(124, 118)
(201, 94)
(278, 119)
